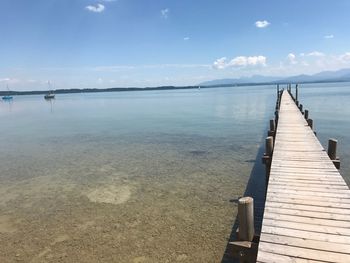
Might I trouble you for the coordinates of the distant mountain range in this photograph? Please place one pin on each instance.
(324, 76)
(342, 75)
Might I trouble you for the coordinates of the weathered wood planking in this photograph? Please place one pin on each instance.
(307, 210)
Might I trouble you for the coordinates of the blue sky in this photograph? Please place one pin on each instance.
(106, 43)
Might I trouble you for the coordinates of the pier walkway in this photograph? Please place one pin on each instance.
(307, 210)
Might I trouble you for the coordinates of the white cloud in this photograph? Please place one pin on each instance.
(262, 23)
(164, 12)
(243, 61)
(10, 80)
(291, 58)
(240, 61)
(315, 54)
(220, 63)
(329, 36)
(98, 8)
(186, 38)
(345, 57)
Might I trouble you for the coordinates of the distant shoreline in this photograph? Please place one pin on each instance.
(95, 90)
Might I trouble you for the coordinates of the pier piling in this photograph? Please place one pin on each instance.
(310, 122)
(272, 130)
(246, 218)
(332, 152)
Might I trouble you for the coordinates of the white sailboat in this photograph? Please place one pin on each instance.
(7, 97)
(50, 95)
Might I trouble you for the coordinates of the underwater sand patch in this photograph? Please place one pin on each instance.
(5, 225)
(59, 239)
(111, 194)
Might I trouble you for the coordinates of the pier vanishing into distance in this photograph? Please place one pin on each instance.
(306, 216)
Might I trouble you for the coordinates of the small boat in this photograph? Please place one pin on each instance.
(49, 95)
(7, 97)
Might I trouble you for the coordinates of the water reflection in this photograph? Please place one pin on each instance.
(50, 101)
(8, 104)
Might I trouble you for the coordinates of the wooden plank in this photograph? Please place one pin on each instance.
(323, 209)
(315, 185)
(341, 231)
(309, 235)
(304, 192)
(267, 257)
(308, 181)
(302, 177)
(307, 243)
(301, 171)
(309, 197)
(293, 200)
(310, 189)
(305, 253)
(308, 220)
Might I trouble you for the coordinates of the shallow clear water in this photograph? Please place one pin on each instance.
(138, 176)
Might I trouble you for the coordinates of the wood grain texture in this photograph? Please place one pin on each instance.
(307, 210)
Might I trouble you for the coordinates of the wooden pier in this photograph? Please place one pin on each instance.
(307, 209)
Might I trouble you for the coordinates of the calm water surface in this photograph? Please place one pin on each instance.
(138, 176)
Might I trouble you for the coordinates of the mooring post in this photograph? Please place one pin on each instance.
(332, 152)
(301, 108)
(272, 130)
(246, 218)
(289, 91)
(276, 116)
(269, 145)
(306, 114)
(246, 247)
(296, 92)
(267, 158)
(310, 122)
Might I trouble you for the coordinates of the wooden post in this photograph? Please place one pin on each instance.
(332, 152)
(245, 248)
(306, 114)
(269, 146)
(267, 158)
(310, 122)
(301, 107)
(296, 92)
(246, 218)
(272, 125)
(272, 130)
(276, 116)
(332, 148)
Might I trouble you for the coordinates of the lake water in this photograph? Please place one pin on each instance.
(139, 176)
